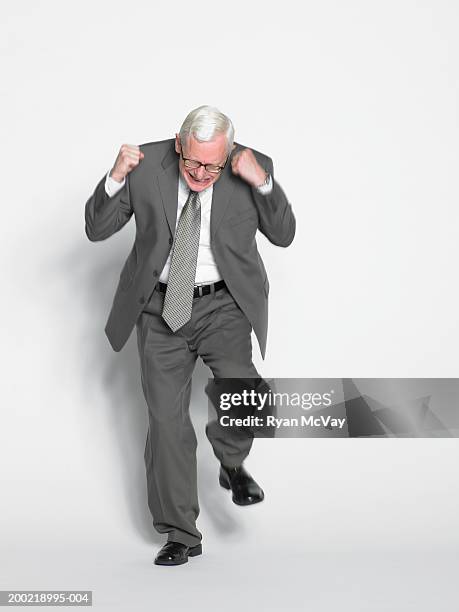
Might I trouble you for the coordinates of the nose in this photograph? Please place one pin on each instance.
(200, 172)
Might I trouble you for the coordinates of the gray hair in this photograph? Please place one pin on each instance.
(204, 123)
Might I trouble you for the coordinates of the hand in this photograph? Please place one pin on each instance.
(244, 164)
(128, 158)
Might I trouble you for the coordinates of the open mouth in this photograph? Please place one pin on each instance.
(200, 182)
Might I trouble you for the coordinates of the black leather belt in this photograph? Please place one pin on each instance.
(198, 291)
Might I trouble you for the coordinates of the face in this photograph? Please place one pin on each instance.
(213, 152)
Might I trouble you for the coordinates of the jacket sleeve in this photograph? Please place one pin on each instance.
(105, 215)
(276, 219)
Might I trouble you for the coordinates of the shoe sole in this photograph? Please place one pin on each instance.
(193, 552)
(225, 484)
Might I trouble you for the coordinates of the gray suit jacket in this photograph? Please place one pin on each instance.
(238, 211)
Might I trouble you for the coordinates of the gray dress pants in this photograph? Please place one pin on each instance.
(219, 333)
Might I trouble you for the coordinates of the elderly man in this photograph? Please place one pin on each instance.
(194, 285)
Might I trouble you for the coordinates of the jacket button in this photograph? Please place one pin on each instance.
(141, 300)
(155, 272)
(170, 240)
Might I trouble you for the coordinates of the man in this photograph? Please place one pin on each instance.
(194, 285)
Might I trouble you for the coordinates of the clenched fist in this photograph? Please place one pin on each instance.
(244, 164)
(128, 158)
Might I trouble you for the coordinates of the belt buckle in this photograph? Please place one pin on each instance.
(200, 290)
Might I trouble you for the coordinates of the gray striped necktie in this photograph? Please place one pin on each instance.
(178, 300)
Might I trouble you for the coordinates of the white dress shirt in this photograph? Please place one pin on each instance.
(206, 269)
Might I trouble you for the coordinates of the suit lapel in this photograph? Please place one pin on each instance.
(222, 191)
(168, 182)
(168, 186)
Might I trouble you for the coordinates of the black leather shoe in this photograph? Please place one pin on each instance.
(245, 490)
(176, 553)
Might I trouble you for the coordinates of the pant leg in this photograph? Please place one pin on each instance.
(167, 365)
(224, 344)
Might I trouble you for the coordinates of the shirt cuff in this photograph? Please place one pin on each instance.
(111, 186)
(265, 189)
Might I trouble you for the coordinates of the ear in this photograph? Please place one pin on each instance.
(177, 143)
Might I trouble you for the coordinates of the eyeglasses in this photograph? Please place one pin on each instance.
(192, 163)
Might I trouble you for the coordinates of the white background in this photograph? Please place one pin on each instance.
(357, 104)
